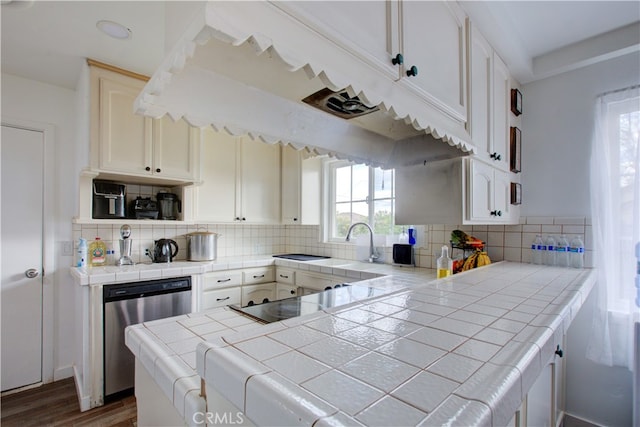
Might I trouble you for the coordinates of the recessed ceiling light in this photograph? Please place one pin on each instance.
(113, 29)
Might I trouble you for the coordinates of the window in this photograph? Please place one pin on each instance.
(615, 206)
(623, 128)
(360, 193)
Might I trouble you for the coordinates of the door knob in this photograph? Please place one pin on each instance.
(31, 273)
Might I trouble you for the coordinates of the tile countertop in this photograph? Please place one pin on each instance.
(150, 271)
(463, 350)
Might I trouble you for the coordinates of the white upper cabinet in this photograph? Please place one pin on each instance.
(259, 182)
(215, 198)
(428, 35)
(457, 191)
(132, 145)
(433, 39)
(501, 99)
(240, 181)
(489, 197)
(301, 187)
(176, 148)
(369, 29)
(489, 101)
(480, 122)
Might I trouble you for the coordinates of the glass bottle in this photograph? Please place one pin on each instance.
(444, 264)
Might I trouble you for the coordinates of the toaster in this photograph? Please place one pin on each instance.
(144, 208)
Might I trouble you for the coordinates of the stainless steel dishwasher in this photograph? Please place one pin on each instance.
(131, 303)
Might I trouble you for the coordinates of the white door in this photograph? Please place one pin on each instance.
(21, 234)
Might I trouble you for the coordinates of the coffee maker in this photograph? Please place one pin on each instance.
(170, 206)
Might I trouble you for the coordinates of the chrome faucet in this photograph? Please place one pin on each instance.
(373, 255)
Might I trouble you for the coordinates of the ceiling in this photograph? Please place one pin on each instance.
(49, 40)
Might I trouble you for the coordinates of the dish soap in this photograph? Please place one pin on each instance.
(97, 253)
(444, 264)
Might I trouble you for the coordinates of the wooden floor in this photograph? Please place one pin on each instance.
(56, 404)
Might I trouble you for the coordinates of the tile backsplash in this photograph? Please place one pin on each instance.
(503, 242)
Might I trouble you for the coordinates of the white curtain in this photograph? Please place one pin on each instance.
(615, 206)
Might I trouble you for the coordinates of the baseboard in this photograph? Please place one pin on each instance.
(570, 420)
(63, 372)
(83, 400)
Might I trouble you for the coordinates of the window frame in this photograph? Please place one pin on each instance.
(329, 205)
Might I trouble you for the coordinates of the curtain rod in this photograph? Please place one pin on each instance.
(618, 90)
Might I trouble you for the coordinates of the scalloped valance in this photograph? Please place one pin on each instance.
(244, 67)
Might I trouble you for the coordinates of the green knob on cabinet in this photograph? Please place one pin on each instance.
(413, 71)
(398, 60)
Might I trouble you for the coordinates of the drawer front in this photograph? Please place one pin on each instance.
(223, 279)
(285, 275)
(257, 294)
(258, 275)
(221, 297)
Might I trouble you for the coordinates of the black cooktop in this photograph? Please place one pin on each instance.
(301, 257)
(298, 306)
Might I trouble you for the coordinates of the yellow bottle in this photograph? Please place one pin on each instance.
(97, 253)
(444, 264)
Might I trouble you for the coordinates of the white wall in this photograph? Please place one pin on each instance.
(556, 144)
(43, 103)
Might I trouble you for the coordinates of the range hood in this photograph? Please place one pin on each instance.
(245, 68)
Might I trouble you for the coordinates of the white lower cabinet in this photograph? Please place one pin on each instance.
(221, 288)
(258, 275)
(317, 281)
(258, 294)
(285, 276)
(221, 297)
(285, 290)
(544, 404)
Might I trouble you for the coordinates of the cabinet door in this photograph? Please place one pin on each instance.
(260, 178)
(480, 191)
(501, 196)
(368, 29)
(215, 199)
(501, 99)
(480, 122)
(539, 400)
(258, 294)
(434, 40)
(291, 185)
(175, 148)
(125, 138)
(284, 290)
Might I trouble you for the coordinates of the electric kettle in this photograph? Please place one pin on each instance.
(162, 250)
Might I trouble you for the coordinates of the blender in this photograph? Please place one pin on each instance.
(169, 205)
(125, 246)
